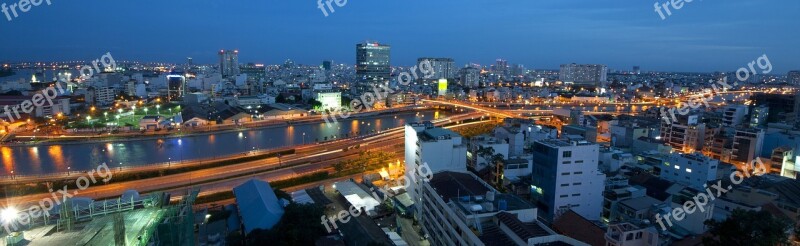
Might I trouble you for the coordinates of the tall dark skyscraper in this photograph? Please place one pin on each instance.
(229, 63)
(327, 65)
(372, 63)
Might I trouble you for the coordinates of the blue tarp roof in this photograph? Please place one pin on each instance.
(258, 206)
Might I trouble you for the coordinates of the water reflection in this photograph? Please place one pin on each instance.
(85, 156)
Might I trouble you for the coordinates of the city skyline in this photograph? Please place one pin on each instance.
(697, 38)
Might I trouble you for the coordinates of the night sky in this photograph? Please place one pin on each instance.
(703, 36)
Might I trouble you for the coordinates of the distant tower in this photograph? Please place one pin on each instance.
(327, 65)
(229, 63)
(372, 64)
(637, 70)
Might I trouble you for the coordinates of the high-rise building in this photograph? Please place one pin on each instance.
(585, 75)
(793, 77)
(373, 64)
(566, 176)
(441, 149)
(176, 85)
(637, 70)
(229, 63)
(517, 70)
(443, 68)
(327, 65)
(470, 77)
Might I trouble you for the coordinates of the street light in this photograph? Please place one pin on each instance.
(9, 215)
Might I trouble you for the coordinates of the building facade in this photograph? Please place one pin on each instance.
(373, 64)
(566, 176)
(229, 63)
(590, 75)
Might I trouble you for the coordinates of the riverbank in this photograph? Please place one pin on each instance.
(132, 136)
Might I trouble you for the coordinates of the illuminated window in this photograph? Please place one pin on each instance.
(677, 167)
(688, 170)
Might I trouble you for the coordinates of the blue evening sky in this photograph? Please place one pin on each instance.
(703, 36)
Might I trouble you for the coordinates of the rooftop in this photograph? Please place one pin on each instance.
(555, 143)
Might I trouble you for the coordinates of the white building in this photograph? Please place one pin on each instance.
(438, 148)
(734, 115)
(566, 176)
(104, 95)
(693, 170)
(329, 99)
(479, 150)
(584, 74)
(60, 106)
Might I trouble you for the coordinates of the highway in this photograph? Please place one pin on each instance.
(308, 159)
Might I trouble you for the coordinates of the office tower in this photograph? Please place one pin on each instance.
(566, 176)
(793, 77)
(327, 65)
(584, 75)
(438, 148)
(229, 63)
(176, 85)
(189, 61)
(637, 70)
(442, 67)
(693, 170)
(470, 77)
(747, 145)
(458, 208)
(500, 66)
(373, 65)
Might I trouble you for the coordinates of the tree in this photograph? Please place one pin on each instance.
(314, 103)
(748, 228)
(280, 99)
(299, 225)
